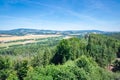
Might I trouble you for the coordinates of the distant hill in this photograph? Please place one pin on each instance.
(22, 31)
(81, 32)
(114, 35)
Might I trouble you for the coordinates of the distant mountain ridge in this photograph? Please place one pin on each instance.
(24, 31)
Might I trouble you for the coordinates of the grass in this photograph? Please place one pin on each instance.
(14, 38)
(21, 40)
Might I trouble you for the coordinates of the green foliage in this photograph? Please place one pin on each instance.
(4, 62)
(68, 50)
(42, 58)
(116, 66)
(83, 68)
(4, 74)
(37, 60)
(12, 76)
(62, 53)
(114, 35)
(74, 59)
(46, 57)
(21, 68)
(118, 53)
(103, 49)
(4, 67)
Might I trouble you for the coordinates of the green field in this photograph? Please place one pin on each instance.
(23, 40)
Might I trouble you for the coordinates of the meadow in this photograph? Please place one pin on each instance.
(9, 40)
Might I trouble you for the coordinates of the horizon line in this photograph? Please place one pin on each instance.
(58, 30)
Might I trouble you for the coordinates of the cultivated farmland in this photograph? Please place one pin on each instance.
(6, 41)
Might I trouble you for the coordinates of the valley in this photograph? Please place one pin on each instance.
(6, 41)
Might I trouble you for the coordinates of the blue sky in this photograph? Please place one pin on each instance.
(60, 14)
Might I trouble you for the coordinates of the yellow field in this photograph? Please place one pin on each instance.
(16, 43)
(32, 38)
(14, 38)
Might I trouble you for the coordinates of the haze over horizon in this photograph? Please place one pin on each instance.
(60, 14)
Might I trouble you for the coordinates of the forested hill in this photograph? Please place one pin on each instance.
(88, 58)
(114, 35)
(23, 31)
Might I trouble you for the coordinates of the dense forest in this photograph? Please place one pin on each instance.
(114, 35)
(93, 57)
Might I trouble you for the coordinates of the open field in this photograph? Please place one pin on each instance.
(21, 40)
(67, 37)
(16, 43)
(14, 38)
(4, 35)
